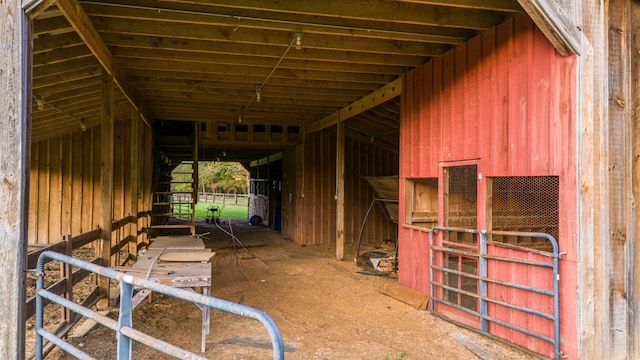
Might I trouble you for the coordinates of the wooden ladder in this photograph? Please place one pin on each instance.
(172, 200)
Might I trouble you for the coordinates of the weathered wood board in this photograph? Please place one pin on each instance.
(176, 242)
(187, 256)
(407, 295)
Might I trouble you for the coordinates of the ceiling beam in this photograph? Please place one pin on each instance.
(33, 8)
(377, 10)
(495, 5)
(83, 26)
(277, 38)
(374, 99)
(177, 13)
(554, 24)
(214, 47)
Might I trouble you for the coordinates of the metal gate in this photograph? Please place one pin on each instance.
(124, 326)
(505, 291)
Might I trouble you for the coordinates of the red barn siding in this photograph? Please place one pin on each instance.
(506, 100)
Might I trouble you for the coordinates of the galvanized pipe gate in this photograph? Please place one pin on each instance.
(124, 326)
(447, 283)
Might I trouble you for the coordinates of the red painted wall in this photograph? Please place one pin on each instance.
(507, 100)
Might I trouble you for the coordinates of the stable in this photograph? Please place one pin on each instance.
(512, 127)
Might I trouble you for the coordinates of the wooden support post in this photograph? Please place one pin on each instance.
(340, 191)
(106, 182)
(634, 246)
(66, 272)
(135, 181)
(592, 311)
(194, 185)
(299, 227)
(15, 130)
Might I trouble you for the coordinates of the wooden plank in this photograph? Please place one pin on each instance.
(134, 178)
(44, 188)
(476, 349)
(15, 128)
(407, 295)
(34, 194)
(187, 256)
(55, 190)
(619, 123)
(106, 180)
(340, 213)
(591, 184)
(67, 184)
(634, 258)
(177, 242)
(299, 224)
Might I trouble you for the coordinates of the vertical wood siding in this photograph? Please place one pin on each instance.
(505, 99)
(65, 182)
(317, 209)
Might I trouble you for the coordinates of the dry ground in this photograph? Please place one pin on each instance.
(322, 312)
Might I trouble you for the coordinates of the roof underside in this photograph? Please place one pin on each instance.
(205, 61)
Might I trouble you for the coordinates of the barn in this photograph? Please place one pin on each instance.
(510, 126)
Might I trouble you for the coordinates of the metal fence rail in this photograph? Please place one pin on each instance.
(123, 327)
(482, 297)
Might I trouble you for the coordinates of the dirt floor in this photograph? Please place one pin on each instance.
(323, 308)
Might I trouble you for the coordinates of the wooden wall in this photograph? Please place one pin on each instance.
(309, 175)
(65, 182)
(505, 101)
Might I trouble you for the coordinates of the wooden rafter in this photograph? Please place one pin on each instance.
(83, 26)
(376, 98)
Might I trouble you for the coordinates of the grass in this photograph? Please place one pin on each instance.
(400, 356)
(228, 211)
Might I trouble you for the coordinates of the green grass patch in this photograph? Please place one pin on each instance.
(227, 211)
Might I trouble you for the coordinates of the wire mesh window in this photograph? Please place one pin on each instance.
(525, 204)
(462, 197)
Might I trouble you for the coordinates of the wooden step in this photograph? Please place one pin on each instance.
(161, 214)
(172, 226)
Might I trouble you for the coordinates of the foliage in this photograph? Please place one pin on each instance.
(223, 177)
(220, 177)
(400, 356)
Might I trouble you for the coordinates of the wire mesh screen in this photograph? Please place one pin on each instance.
(462, 199)
(525, 204)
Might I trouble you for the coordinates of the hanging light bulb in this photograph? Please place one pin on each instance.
(258, 96)
(298, 41)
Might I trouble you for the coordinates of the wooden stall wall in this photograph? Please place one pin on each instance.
(65, 182)
(290, 193)
(311, 218)
(504, 100)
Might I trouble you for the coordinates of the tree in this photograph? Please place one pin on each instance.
(221, 177)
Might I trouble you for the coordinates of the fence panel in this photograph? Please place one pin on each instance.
(502, 290)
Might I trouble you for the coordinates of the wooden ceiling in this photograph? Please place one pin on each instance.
(204, 60)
